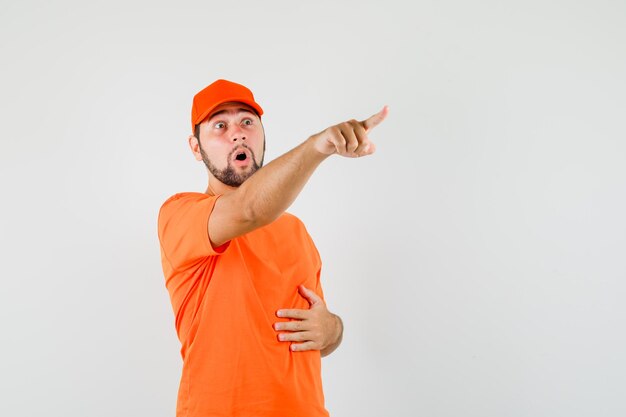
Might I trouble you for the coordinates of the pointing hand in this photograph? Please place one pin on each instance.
(349, 138)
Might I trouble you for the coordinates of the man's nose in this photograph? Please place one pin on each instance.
(238, 134)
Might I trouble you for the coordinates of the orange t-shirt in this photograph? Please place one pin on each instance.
(225, 304)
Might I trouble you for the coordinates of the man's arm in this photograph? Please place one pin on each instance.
(313, 329)
(264, 196)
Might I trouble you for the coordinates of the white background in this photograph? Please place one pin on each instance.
(477, 259)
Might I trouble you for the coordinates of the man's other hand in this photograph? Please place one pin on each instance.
(312, 329)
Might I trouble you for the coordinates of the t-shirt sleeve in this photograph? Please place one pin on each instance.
(183, 229)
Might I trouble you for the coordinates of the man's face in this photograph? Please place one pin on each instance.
(232, 143)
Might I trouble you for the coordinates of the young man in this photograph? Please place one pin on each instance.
(243, 275)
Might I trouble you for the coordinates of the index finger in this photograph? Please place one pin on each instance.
(292, 313)
(375, 120)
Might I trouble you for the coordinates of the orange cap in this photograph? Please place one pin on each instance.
(221, 91)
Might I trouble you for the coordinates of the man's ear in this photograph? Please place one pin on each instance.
(194, 145)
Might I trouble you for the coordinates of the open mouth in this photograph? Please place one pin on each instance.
(241, 156)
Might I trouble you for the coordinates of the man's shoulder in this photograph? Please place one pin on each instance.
(291, 218)
(180, 203)
(291, 222)
(185, 197)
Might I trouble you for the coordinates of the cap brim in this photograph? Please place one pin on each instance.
(208, 111)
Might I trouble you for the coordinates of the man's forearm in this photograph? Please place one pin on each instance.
(273, 188)
(270, 191)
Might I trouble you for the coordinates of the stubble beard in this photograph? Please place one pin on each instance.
(228, 175)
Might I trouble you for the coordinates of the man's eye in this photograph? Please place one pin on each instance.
(220, 125)
(247, 122)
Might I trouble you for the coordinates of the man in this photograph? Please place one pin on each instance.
(243, 275)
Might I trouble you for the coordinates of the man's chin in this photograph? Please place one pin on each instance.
(233, 179)
(232, 176)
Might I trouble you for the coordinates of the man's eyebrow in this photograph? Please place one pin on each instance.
(241, 110)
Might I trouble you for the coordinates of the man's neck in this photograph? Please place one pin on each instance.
(216, 187)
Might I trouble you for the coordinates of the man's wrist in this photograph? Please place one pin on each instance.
(339, 324)
(338, 336)
(312, 148)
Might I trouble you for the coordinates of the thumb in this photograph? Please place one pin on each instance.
(310, 295)
(375, 120)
